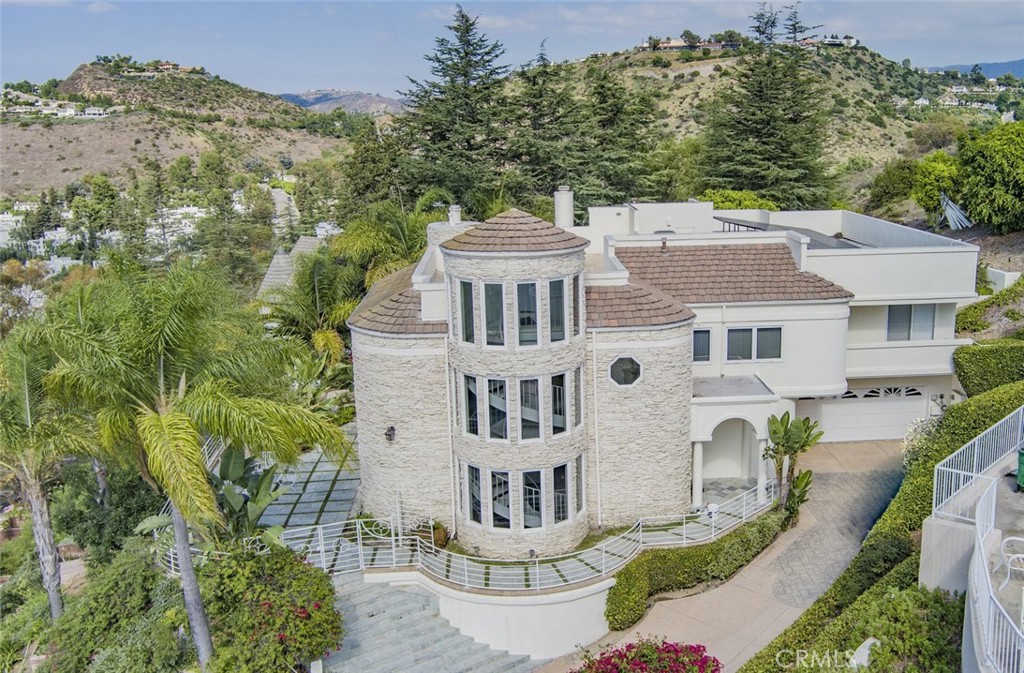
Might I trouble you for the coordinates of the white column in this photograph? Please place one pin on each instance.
(697, 469)
(762, 472)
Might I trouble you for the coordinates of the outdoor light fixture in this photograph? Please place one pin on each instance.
(389, 434)
(533, 553)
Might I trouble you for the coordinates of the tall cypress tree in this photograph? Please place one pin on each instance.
(766, 132)
(454, 127)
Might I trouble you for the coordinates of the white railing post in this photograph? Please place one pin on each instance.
(394, 546)
(465, 571)
(323, 554)
(604, 563)
(359, 543)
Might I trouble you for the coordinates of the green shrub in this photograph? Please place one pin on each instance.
(658, 570)
(127, 614)
(972, 318)
(268, 612)
(18, 549)
(893, 184)
(982, 367)
(18, 559)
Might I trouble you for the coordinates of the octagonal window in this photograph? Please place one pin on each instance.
(625, 371)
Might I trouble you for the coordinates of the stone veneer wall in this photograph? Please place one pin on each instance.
(643, 429)
(512, 362)
(400, 381)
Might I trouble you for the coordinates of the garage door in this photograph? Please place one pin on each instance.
(873, 413)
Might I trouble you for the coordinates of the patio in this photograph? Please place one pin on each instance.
(319, 492)
(1010, 521)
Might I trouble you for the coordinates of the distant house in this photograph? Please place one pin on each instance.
(94, 112)
(958, 89)
(900, 101)
(65, 112)
(167, 66)
(922, 101)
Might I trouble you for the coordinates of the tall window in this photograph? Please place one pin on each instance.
(494, 312)
(701, 345)
(529, 409)
(556, 291)
(577, 397)
(472, 424)
(533, 500)
(466, 294)
(911, 322)
(560, 487)
(497, 416)
(474, 495)
(575, 305)
(557, 404)
(526, 303)
(579, 482)
(501, 516)
(740, 343)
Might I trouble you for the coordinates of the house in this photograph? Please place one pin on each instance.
(94, 112)
(958, 89)
(899, 101)
(167, 66)
(528, 381)
(922, 101)
(65, 112)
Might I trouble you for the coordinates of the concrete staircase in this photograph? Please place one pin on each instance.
(398, 630)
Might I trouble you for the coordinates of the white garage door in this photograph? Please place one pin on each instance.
(874, 413)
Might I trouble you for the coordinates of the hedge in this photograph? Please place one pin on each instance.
(972, 318)
(889, 542)
(982, 367)
(658, 570)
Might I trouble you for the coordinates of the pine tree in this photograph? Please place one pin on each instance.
(766, 132)
(454, 127)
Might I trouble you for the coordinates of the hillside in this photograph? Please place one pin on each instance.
(861, 86)
(326, 100)
(1015, 68)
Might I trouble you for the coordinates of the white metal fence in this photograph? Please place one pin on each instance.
(360, 544)
(1002, 641)
(958, 473)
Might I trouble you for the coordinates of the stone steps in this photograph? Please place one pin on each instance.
(397, 630)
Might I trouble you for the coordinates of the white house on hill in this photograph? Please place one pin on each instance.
(527, 381)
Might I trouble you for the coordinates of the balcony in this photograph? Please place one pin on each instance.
(901, 358)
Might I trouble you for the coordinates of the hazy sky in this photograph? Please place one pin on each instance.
(371, 46)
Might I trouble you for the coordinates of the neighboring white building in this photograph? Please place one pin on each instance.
(922, 101)
(94, 112)
(528, 381)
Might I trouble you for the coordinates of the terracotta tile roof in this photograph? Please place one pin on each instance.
(727, 273)
(393, 307)
(515, 231)
(632, 306)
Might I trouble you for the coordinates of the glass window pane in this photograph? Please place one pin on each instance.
(526, 302)
(579, 482)
(501, 516)
(474, 494)
(466, 292)
(533, 500)
(701, 345)
(577, 397)
(923, 322)
(529, 409)
(769, 343)
(497, 416)
(575, 305)
(739, 344)
(560, 487)
(494, 309)
(472, 424)
(557, 309)
(899, 322)
(625, 371)
(557, 404)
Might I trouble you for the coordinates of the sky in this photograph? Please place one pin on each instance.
(288, 47)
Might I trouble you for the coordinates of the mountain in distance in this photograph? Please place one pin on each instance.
(325, 100)
(1015, 68)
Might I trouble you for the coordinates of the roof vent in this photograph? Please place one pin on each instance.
(664, 245)
(454, 214)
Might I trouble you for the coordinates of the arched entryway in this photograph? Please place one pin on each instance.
(729, 464)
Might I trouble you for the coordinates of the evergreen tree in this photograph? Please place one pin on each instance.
(766, 132)
(454, 127)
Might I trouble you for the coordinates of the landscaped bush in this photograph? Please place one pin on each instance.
(972, 318)
(889, 540)
(655, 656)
(128, 618)
(270, 612)
(982, 367)
(18, 560)
(655, 571)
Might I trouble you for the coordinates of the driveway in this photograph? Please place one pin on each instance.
(853, 484)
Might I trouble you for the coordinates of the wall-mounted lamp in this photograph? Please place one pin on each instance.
(533, 553)
(389, 434)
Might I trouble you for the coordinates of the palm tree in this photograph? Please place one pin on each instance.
(315, 306)
(387, 238)
(37, 433)
(168, 360)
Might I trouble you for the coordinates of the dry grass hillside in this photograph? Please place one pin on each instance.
(38, 156)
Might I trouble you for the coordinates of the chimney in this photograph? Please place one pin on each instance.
(563, 207)
(454, 214)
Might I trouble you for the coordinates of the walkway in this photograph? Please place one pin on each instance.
(318, 493)
(853, 484)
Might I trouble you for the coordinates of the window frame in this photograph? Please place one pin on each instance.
(579, 484)
(508, 494)
(578, 395)
(576, 309)
(706, 331)
(555, 521)
(540, 408)
(562, 306)
(910, 325)
(504, 383)
(465, 408)
(486, 314)
(469, 494)
(522, 497)
(536, 317)
(565, 403)
(638, 379)
(753, 329)
(463, 324)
